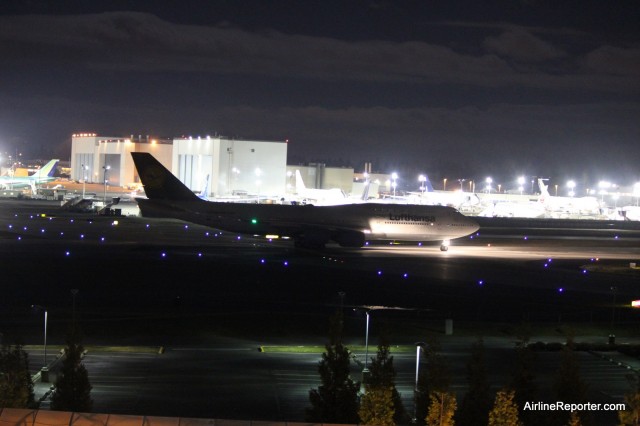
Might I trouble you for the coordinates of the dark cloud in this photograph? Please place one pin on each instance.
(454, 96)
(523, 46)
(136, 42)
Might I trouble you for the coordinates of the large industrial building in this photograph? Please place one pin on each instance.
(224, 166)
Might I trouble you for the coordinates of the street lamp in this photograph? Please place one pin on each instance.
(444, 184)
(74, 293)
(614, 291)
(571, 185)
(258, 173)
(45, 369)
(603, 185)
(488, 181)
(106, 169)
(84, 178)
(419, 348)
(422, 179)
(368, 310)
(394, 178)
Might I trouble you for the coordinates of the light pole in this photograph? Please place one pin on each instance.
(84, 179)
(368, 310)
(394, 178)
(258, 173)
(614, 291)
(106, 169)
(422, 179)
(416, 390)
(74, 292)
(571, 185)
(488, 181)
(45, 368)
(521, 184)
(444, 184)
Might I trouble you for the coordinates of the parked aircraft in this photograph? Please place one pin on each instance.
(349, 225)
(43, 175)
(526, 209)
(319, 197)
(630, 212)
(567, 205)
(455, 199)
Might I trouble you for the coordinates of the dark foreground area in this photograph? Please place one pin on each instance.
(210, 299)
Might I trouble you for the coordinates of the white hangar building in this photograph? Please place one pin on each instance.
(225, 166)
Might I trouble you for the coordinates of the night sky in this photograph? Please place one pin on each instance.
(456, 89)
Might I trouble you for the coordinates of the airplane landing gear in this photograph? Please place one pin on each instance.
(445, 245)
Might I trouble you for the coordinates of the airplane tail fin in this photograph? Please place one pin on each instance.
(544, 193)
(47, 170)
(159, 183)
(544, 189)
(428, 185)
(299, 182)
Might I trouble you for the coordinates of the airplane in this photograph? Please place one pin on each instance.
(456, 199)
(319, 197)
(567, 205)
(630, 213)
(349, 225)
(43, 175)
(528, 209)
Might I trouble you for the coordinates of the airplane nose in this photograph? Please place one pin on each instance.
(472, 224)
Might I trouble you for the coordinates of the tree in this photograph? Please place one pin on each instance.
(505, 410)
(568, 385)
(383, 374)
(16, 387)
(72, 388)
(476, 403)
(434, 377)
(523, 381)
(574, 419)
(630, 416)
(376, 406)
(336, 399)
(441, 409)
